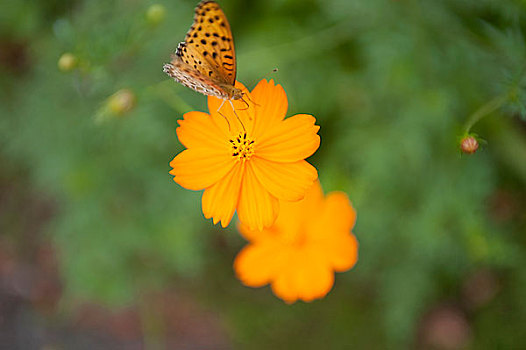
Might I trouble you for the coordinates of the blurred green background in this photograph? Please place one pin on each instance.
(100, 249)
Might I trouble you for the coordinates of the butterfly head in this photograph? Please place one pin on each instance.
(233, 92)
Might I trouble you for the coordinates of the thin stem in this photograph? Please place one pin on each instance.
(495, 103)
(486, 109)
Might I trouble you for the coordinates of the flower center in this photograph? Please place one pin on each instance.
(242, 147)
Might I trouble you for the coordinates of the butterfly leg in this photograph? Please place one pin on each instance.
(248, 106)
(224, 116)
(249, 99)
(239, 119)
(244, 109)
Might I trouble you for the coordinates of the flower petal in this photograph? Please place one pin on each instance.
(255, 235)
(292, 140)
(271, 105)
(199, 168)
(293, 215)
(336, 216)
(257, 264)
(198, 129)
(257, 208)
(342, 253)
(330, 231)
(285, 181)
(305, 277)
(338, 204)
(219, 201)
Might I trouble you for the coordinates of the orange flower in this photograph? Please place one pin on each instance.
(248, 159)
(298, 254)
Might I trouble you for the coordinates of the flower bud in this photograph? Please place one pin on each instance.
(469, 144)
(67, 62)
(155, 14)
(121, 102)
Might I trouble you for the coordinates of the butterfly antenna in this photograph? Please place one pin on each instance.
(267, 77)
(274, 70)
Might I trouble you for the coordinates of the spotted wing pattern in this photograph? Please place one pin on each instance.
(206, 60)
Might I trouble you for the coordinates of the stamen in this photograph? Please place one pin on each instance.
(242, 147)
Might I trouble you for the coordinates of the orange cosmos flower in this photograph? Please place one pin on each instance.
(248, 159)
(298, 255)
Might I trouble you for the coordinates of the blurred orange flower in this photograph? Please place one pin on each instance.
(249, 161)
(298, 255)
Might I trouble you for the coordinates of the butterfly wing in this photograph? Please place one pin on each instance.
(192, 78)
(209, 45)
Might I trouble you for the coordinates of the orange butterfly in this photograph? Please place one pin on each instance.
(206, 60)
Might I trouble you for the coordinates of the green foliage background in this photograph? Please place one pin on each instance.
(391, 83)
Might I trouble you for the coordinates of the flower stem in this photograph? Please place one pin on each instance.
(495, 103)
(486, 109)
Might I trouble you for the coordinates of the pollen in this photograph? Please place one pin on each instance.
(242, 147)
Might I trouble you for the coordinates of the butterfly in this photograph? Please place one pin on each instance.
(206, 60)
